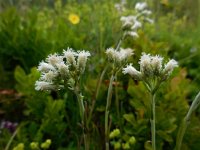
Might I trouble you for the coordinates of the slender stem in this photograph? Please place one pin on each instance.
(120, 42)
(186, 121)
(117, 99)
(153, 121)
(109, 97)
(11, 139)
(96, 94)
(83, 117)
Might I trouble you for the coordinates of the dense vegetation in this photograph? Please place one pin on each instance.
(31, 30)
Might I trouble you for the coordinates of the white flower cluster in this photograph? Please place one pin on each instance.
(119, 56)
(57, 69)
(121, 6)
(132, 23)
(151, 67)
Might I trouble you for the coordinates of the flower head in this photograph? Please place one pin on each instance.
(54, 59)
(145, 64)
(45, 67)
(128, 21)
(169, 67)
(119, 56)
(156, 63)
(69, 54)
(132, 72)
(140, 6)
(61, 69)
(82, 59)
(133, 34)
(136, 25)
(124, 53)
(152, 71)
(44, 85)
(49, 76)
(74, 19)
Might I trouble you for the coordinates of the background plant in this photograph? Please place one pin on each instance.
(29, 31)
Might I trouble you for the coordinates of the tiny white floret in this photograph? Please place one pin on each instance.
(140, 6)
(45, 67)
(169, 67)
(132, 72)
(43, 85)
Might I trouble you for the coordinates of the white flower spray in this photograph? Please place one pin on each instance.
(132, 23)
(118, 56)
(152, 72)
(65, 71)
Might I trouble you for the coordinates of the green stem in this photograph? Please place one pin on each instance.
(153, 121)
(120, 41)
(83, 117)
(117, 99)
(96, 94)
(109, 97)
(11, 139)
(186, 121)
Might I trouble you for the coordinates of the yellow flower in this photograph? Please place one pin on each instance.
(74, 19)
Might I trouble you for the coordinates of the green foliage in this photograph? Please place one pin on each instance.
(44, 115)
(29, 31)
(171, 105)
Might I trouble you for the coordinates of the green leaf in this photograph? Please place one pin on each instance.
(20, 75)
(129, 118)
(164, 135)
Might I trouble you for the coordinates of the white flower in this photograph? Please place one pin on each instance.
(82, 59)
(43, 85)
(63, 69)
(70, 56)
(133, 34)
(156, 63)
(145, 64)
(54, 59)
(112, 54)
(140, 6)
(169, 67)
(119, 56)
(132, 72)
(58, 67)
(146, 12)
(128, 20)
(136, 25)
(45, 67)
(120, 8)
(49, 76)
(125, 53)
(149, 20)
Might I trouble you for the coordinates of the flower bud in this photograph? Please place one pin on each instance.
(117, 145)
(34, 145)
(126, 146)
(132, 140)
(82, 59)
(132, 72)
(114, 133)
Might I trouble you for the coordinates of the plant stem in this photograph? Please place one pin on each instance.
(109, 97)
(153, 121)
(96, 94)
(11, 139)
(83, 117)
(186, 121)
(117, 99)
